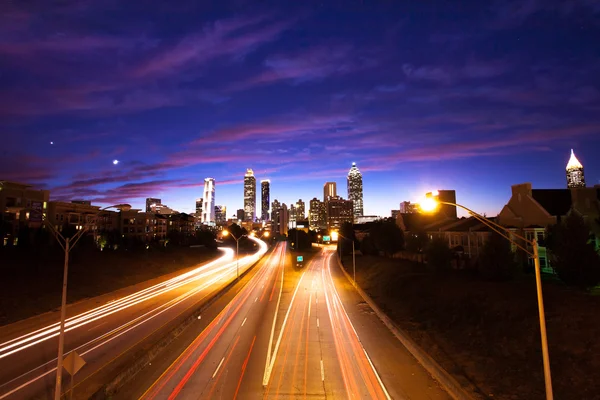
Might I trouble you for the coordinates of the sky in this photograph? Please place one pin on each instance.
(474, 96)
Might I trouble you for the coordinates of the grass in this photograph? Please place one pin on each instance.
(488, 332)
(31, 283)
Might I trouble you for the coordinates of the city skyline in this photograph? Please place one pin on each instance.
(420, 96)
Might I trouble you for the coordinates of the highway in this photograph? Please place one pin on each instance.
(108, 335)
(291, 334)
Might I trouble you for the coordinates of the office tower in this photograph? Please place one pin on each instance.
(406, 207)
(338, 212)
(292, 213)
(300, 210)
(199, 204)
(220, 215)
(329, 190)
(575, 177)
(355, 190)
(314, 213)
(240, 214)
(265, 195)
(447, 210)
(276, 205)
(249, 196)
(208, 215)
(150, 202)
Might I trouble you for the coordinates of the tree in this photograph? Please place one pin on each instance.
(574, 256)
(302, 237)
(387, 236)
(416, 242)
(439, 255)
(497, 261)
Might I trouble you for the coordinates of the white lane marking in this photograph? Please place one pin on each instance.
(341, 305)
(322, 371)
(317, 322)
(309, 303)
(244, 321)
(256, 299)
(269, 368)
(219, 366)
(268, 362)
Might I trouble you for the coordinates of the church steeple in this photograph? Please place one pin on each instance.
(575, 176)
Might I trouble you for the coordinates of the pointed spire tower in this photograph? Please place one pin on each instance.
(575, 178)
(355, 190)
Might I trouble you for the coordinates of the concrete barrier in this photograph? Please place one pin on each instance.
(129, 372)
(447, 381)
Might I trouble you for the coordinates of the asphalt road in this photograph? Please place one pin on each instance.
(290, 334)
(106, 335)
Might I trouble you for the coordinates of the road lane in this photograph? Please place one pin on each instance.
(108, 333)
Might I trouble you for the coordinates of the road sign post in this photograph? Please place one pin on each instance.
(73, 363)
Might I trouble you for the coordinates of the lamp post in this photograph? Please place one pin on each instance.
(67, 244)
(237, 250)
(430, 204)
(353, 257)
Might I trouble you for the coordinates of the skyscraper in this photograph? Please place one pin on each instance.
(220, 215)
(199, 203)
(208, 214)
(575, 178)
(329, 190)
(150, 202)
(300, 210)
(265, 195)
(355, 190)
(315, 214)
(338, 212)
(276, 205)
(249, 196)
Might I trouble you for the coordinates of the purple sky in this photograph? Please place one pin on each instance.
(472, 97)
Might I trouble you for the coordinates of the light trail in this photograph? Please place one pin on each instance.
(114, 306)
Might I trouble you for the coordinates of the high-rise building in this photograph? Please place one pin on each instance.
(276, 205)
(240, 214)
(338, 212)
(300, 210)
(280, 218)
(355, 190)
(265, 195)
(406, 207)
(249, 196)
(315, 214)
(575, 177)
(329, 190)
(292, 213)
(199, 204)
(208, 214)
(447, 210)
(220, 215)
(150, 202)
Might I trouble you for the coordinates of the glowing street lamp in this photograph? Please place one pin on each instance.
(237, 250)
(431, 203)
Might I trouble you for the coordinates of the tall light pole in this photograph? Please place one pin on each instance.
(237, 250)
(430, 204)
(67, 244)
(353, 257)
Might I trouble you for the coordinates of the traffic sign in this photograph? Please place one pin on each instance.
(299, 259)
(326, 238)
(73, 363)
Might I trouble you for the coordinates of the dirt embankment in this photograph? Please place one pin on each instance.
(488, 332)
(31, 284)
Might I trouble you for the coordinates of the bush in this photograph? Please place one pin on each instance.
(387, 236)
(439, 255)
(574, 257)
(497, 261)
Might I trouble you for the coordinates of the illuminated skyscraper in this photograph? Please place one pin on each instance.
(329, 190)
(338, 212)
(208, 213)
(249, 196)
(199, 204)
(300, 210)
(317, 215)
(575, 178)
(355, 190)
(220, 215)
(265, 195)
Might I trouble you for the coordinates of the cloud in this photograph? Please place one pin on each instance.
(234, 37)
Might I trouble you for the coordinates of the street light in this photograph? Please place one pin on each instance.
(353, 256)
(67, 244)
(237, 250)
(430, 203)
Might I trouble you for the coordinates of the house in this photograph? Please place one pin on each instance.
(530, 211)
